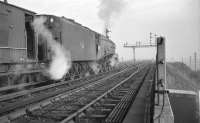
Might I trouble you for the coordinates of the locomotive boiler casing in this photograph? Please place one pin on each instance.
(79, 40)
(83, 43)
(106, 47)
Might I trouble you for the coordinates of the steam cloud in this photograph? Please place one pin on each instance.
(109, 9)
(113, 60)
(95, 67)
(61, 60)
(87, 74)
(20, 68)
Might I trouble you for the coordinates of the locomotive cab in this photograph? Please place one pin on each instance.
(52, 25)
(30, 37)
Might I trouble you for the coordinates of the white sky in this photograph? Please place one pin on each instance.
(177, 20)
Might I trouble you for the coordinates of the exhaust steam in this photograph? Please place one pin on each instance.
(87, 74)
(61, 60)
(95, 67)
(114, 60)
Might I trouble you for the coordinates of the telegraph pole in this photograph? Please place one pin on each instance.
(134, 55)
(195, 61)
(190, 62)
(150, 37)
(182, 61)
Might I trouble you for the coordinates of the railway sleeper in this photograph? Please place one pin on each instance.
(120, 110)
(98, 119)
(109, 105)
(103, 110)
(118, 113)
(56, 115)
(111, 101)
(98, 110)
(30, 115)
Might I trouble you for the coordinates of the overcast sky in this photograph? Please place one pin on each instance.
(177, 20)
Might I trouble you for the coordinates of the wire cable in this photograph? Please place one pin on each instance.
(157, 117)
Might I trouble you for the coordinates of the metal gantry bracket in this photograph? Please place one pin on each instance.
(138, 45)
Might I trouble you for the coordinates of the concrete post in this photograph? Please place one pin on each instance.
(163, 112)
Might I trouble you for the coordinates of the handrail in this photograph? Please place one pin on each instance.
(13, 48)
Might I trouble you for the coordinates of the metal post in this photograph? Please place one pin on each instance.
(195, 61)
(150, 38)
(134, 55)
(190, 62)
(182, 61)
(36, 44)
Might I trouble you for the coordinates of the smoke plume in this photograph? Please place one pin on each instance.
(61, 61)
(109, 9)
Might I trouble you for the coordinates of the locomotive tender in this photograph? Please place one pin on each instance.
(21, 47)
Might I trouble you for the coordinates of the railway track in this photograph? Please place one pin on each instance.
(29, 90)
(11, 105)
(112, 105)
(25, 93)
(27, 86)
(93, 101)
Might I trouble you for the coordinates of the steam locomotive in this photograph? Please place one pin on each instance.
(22, 56)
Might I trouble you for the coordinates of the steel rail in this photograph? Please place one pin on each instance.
(56, 83)
(21, 111)
(39, 98)
(97, 99)
(34, 90)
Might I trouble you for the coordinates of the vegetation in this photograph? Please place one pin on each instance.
(180, 76)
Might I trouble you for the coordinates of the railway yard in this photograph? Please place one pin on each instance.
(104, 97)
(53, 69)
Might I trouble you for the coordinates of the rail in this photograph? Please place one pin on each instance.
(97, 99)
(59, 93)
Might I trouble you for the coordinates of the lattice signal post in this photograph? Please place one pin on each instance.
(138, 45)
